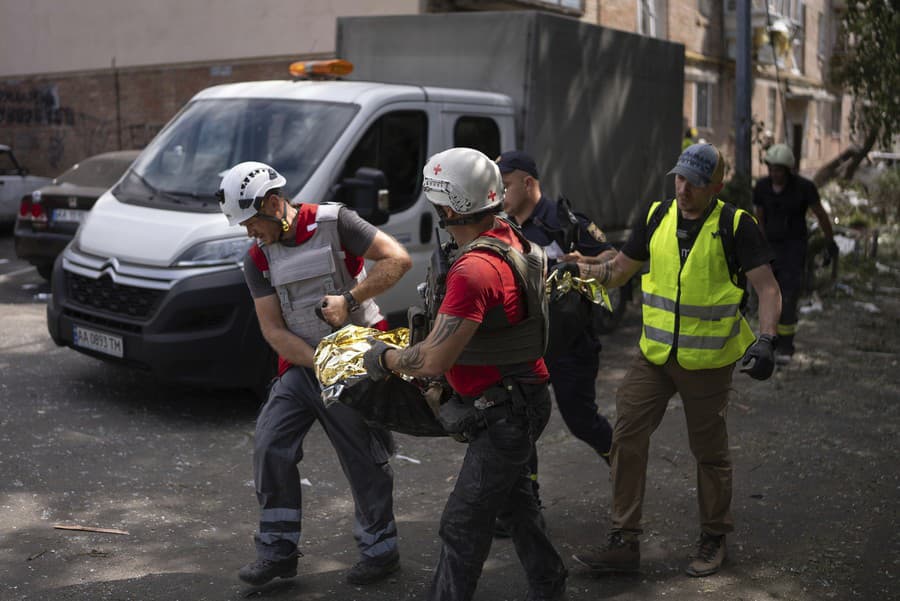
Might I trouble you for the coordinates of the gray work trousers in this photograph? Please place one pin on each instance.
(294, 404)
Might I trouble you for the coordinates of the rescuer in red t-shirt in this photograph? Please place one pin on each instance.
(487, 339)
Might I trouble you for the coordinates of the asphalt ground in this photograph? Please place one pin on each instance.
(84, 442)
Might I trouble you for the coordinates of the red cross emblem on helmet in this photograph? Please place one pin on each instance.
(437, 169)
(492, 195)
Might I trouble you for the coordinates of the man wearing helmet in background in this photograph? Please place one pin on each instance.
(487, 339)
(781, 201)
(302, 250)
(572, 357)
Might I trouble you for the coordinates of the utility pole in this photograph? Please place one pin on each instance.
(743, 92)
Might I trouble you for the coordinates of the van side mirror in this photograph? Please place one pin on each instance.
(366, 193)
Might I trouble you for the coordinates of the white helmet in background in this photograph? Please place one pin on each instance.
(244, 187)
(780, 154)
(465, 180)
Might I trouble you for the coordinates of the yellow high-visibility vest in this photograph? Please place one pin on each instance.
(712, 332)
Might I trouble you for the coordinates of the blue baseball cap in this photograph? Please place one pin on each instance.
(513, 160)
(700, 164)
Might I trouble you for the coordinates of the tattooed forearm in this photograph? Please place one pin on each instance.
(444, 327)
(602, 272)
(410, 358)
(434, 355)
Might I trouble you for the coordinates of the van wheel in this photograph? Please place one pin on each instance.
(607, 321)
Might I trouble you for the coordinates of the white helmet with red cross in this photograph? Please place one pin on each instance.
(244, 187)
(465, 180)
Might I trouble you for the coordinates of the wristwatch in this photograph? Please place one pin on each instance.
(352, 305)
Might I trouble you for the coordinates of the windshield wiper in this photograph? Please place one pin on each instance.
(157, 191)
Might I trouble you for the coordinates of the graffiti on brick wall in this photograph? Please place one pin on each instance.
(60, 133)
(38, 105)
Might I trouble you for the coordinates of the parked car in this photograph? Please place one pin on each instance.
(49, 217)
(15, 182)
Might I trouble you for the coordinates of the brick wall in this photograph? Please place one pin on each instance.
(53, 121)
(618, 14)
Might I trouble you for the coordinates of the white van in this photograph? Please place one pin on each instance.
(153, 278)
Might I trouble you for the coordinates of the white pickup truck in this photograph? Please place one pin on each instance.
(153, 277)
(15, 182)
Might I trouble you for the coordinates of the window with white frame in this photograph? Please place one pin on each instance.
(771, 109)
(570, 4)
(837, 117)
(702, 104)
(799, 43)
(650, 22)
(823, 35)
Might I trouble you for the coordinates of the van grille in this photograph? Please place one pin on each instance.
(108, 296)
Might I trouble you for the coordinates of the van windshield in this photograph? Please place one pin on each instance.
(184, 165)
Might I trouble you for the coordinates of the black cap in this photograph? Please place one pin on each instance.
(513, 160)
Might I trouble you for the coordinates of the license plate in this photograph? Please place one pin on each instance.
(72, 215)
(98, 341)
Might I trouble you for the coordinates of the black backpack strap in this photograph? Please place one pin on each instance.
(726, 233)
(656, 218)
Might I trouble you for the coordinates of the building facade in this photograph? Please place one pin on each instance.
(81, 78)
(793, 101)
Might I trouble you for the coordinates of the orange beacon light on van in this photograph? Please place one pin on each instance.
(330, 69)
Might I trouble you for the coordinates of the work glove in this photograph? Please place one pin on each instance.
(373, 360)
(759, 360)
(831, 248)
(561, 268)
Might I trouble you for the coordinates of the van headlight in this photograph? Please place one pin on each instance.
(214, 252)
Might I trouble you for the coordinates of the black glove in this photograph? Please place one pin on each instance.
(759, 360)
(562, 268)
(373, 360)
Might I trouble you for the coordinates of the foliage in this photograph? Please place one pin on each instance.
(885, 195)
(739, 192)
(867, 64)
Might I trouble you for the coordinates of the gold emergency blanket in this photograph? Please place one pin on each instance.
(560, 283)
(398, 403)
(338, 360)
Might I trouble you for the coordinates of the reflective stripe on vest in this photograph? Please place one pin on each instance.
(303, 274)
(711, 330)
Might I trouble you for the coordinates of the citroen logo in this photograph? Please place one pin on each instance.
(73, 202)
(110, 267)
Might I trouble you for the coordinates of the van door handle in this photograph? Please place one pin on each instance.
(426, 224)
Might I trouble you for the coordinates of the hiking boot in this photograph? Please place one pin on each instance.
(369, 571)
(622, 553)
(709, 557)
(263, 570)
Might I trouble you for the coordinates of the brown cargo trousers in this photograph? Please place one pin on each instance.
(640, 405)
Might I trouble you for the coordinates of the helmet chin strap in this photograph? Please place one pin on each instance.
(283, 222)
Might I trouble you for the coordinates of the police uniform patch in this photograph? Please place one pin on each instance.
(596, 233)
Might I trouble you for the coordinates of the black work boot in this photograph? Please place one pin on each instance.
(263, 570)
(622, 553)
(369, 571)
